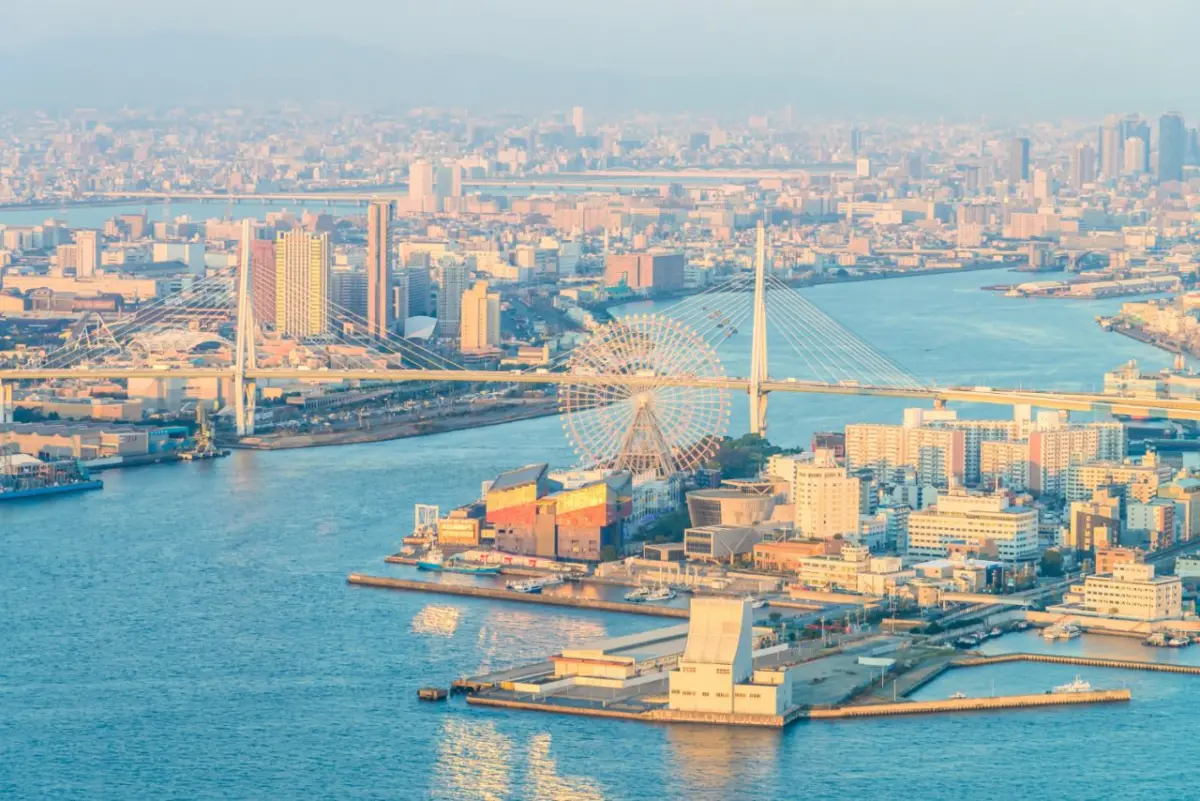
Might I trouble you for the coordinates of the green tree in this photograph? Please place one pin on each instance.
(1052, 563)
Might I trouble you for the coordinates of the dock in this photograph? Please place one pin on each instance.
(470, 591)
(1085, 661)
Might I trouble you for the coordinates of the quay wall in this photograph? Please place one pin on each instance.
(1086, 661)
(483, 700)
(508, 595)
(971, 704)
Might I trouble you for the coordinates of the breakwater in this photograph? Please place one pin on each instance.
(1086, 661)
(971, 704)
(387, 583)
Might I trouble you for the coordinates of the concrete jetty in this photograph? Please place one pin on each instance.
(471, 591)
(1085, 661)
(971, 704)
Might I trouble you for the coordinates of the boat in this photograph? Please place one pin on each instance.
(1178, 642)
(660, 594)
(527, 587)
(637, 595)
(1065, 632)
(436, 561)
(755, 603)
(1156, 640)
(1076, 686)
(957, 694)
(995, 632)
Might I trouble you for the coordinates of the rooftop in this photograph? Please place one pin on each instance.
(520, 477)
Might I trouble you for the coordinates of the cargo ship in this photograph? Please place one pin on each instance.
(436, 561)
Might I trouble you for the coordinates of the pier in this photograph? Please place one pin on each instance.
(971, 704)
(469, 591)
(1085, 661)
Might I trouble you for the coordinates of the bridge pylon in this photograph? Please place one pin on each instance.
(6, 402)
(758, 351)
(244, 359)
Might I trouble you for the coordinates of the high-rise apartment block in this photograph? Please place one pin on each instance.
(1172, 147)
(302, 278)
(379, 268)
(480, 319)
(1018, 159)
(450, 293)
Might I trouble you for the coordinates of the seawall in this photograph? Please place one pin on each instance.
(387, 583)
(1085, 661)
(972, 704)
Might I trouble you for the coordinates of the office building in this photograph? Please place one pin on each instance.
(1095, 523)
(1185, 493)
(87, 256)
(1136, 158)
(1018, 159)
(421, 195)
(449, 301)
(1132, 592)
(262, 281)
(976, 521)
(447, 184)
(1134, 127)
(348, 293)
(302, 278)
(577, 120)
(650, 272)
(1172, 147)
(379, 268)
(720, 543)
(480, 319)
(1083, 166)
(1112, 148)
(415, 293)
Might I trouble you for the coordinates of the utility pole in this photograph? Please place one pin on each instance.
(758, 352)
(244, 391)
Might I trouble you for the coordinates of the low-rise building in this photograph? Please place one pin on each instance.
(720, 543)
(1132, 592)
(785, 556)
(973, 519)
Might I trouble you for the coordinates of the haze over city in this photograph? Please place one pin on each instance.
(687, 400)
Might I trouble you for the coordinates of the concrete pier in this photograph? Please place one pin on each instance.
(1085, 661)
(470, 591)
(971, 704)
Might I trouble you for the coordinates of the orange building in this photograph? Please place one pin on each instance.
(785, 557)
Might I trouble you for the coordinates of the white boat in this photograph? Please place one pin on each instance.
(1178, 642)
(1066, 632)
(637, 595)
(1156, 640)
(755, 603)
(527, 587)
(1077, 686)
(957, 694)
(661, 594)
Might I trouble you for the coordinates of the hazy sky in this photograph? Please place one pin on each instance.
(1118, 53)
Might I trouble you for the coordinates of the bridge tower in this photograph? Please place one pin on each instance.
(6, 402)
(244, 390)
(758, 350)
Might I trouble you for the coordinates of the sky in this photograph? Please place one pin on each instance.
(940, 53)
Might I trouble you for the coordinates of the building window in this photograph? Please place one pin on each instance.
(722, 671)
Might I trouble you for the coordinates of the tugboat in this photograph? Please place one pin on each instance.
(436, 561)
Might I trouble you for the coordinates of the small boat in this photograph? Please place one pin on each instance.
(528, 587)
(995, 632)
(436, 561)
(755, 603)
(1178, 642)
(957, 694)
(1156, 640)
(1076, 686)
(1023, 625)
(661, 594)
(1068, 632)
(637, 595)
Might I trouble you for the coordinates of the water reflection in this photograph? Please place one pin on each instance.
(508, 637)
(546, 781)
(722, 761)
(473, 762)
(439, 620)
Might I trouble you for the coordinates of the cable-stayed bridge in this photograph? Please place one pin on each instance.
(207, 330)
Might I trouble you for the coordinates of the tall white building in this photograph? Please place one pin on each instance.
(303, 264)
(827, 500)
(87, 257)
(421, 193)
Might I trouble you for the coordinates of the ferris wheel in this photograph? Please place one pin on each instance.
(624, 410)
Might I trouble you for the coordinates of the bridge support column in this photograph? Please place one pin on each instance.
(6, 402)
(758, 348)
(244, 391)
(245, 423)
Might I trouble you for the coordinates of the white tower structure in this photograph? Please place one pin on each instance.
(244, 391)
(758, 352)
